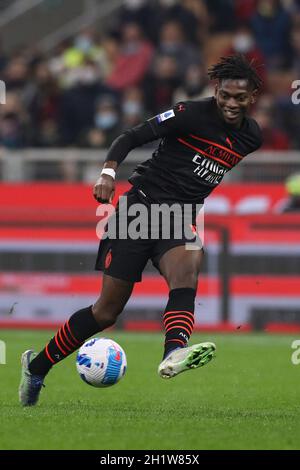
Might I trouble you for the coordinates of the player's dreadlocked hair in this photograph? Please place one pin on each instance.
(235, 67)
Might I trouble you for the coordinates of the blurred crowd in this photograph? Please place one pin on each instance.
(154, 54)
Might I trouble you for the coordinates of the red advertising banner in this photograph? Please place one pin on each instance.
(65, 201)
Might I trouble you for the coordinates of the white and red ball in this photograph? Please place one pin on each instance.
(101, 362)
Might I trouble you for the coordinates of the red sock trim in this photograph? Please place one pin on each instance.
(58, 345)
(61, 338)
(180, 311)
(48, 355)
(76, 340)
(67, 339)
(179, 318)
(179, 325)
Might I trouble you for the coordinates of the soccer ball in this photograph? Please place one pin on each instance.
(101, 362)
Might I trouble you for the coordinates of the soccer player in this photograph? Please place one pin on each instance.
(200, 142)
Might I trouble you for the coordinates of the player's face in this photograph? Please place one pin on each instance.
(233, 99)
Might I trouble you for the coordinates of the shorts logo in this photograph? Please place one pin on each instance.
(108, 259)
(164, 116)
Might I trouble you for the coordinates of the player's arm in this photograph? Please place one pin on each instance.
(104, 188)
(153, 129)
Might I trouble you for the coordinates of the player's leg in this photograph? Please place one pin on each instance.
(180, 268)
(80, 326)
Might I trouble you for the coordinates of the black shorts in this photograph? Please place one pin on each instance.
(126, 258)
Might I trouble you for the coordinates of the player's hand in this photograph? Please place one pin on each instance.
(104, 189)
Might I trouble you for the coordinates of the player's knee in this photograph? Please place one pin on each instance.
(106, 314)
(104, 319)
(184, 278)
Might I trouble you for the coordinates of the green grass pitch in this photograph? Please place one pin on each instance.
(247, 398)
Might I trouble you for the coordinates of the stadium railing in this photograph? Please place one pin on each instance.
(83, 164)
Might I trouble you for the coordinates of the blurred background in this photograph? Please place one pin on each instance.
(77, 73)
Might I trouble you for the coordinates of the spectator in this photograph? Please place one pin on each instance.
(172, 43)
(222, 14)
(16, 74)
(271, 26)
(78, 105)
(295, 42)
(273, 138)
(106, 125)
(141, 12)
(243, 42)
(134, 60)
(13, 122)
(197, 9)
(42, 102)
(56, 60)
(289, 120)
(92, 48)
(3, 58)
(195, 85)
(160, 84)
(244, 10)
(133, 111)
(85, 45)
(111, 51)
(192, 15)
(87, 73)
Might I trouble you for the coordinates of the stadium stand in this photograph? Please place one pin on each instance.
(45, 89)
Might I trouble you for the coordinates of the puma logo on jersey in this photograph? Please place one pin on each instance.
(229, 142)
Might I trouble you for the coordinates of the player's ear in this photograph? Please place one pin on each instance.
(254, 96)
(216, 89)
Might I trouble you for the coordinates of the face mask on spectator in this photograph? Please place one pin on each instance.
(106, 120)
(131, 108)
(243, 43)
(83, 43)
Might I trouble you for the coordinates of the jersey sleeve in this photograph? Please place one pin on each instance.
(173, 121)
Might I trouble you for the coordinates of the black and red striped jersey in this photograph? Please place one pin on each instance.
(197, 148)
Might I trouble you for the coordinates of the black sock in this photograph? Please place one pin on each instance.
(80, 326)
(179, 318)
